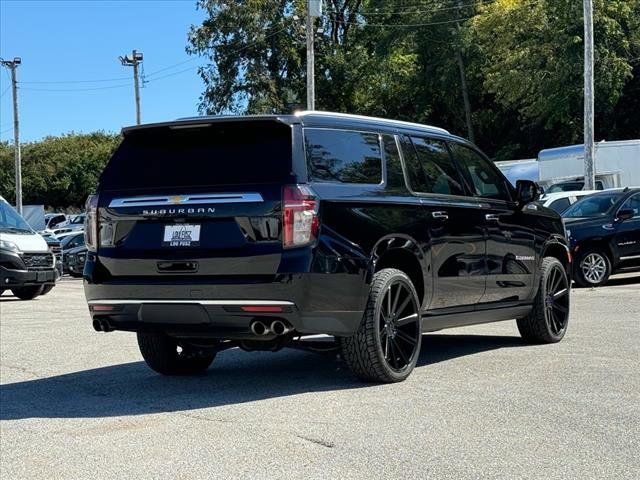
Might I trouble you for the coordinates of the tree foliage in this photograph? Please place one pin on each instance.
(522, 61)
(60, 171)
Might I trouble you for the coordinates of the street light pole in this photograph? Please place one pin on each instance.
(314, 10)
(311, 87)
(134, 61)
(589, 148)
(12, 65)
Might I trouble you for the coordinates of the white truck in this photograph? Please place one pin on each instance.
(617, 164)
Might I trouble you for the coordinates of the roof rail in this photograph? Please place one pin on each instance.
(304, 113)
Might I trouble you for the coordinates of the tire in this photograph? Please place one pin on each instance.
(46, 289)
(382, 350)
(75, 274)
(548, 320)
(167, 356)
(27, 293)
(592, 268)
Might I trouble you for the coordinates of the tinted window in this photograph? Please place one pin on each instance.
(483, 177)
(633, 203)
(559, 205)
(395, 178)
(343, 156)
(436, 172)
(593, 206)
(218, 154)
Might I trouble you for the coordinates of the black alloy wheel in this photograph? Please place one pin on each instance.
(557, 300)
(386, 346)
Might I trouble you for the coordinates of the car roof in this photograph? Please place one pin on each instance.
(571, 193)
(619, 189)
(307, 118)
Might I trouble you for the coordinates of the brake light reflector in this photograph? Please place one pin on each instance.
(300, 216)
(91, 223)
(261, 308)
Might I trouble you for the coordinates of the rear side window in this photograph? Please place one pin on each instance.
(343, 156)
(434, 169)
(246, 152)
(483, 177)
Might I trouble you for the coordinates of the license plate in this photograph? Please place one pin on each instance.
(181, 235)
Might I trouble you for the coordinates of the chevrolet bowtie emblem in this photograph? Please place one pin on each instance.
(177, 199)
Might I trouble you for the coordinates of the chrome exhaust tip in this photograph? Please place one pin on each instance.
(259, 328)
(278, 327)
(97, 326)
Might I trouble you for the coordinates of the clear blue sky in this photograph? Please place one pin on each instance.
(81, 40)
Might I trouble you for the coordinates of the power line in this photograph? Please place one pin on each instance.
(77, 81)
(74, 89)
(5, 91)
(231, 52)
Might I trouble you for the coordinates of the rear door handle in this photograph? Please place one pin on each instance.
(440, 215)
(492, 217)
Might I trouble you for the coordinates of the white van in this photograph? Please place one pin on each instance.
(27, 267)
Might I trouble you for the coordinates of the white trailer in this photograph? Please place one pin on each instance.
(617, 164)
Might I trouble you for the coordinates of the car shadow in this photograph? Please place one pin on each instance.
(236, 377)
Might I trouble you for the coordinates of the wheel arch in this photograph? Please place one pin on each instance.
(601, 243)
(402, 252)
(558, 250)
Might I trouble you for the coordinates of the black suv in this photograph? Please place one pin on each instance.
(604, 232)
(215, 232)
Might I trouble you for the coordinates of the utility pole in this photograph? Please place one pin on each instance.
(314, 9)
(134, 61)
(589, 148)
(463, 82)
(12, 65)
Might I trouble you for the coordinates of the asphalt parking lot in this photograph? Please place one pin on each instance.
(481, 404)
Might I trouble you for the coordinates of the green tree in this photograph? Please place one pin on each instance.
(58, 172)
(530, 58)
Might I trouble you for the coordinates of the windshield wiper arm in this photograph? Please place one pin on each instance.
(14, 229)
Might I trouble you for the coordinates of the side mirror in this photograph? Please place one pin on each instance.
(527, 191)
(625, 214)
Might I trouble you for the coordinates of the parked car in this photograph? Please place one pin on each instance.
(255, 231)
(76, 222)
(54, 220)
(560, 201)
(70, 241)
(75, 259)
(604, 235)
(27, 267)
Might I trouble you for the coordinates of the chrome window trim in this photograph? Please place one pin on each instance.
(187, 199)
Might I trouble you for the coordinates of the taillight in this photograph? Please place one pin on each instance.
(300, 216)
(91, 223)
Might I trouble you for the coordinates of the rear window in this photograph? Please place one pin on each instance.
(343, 156)
(218, 154)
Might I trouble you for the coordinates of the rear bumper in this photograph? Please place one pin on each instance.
(311, 303)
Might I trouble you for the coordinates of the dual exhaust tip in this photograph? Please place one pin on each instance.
(100, 325)
(277, 327)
